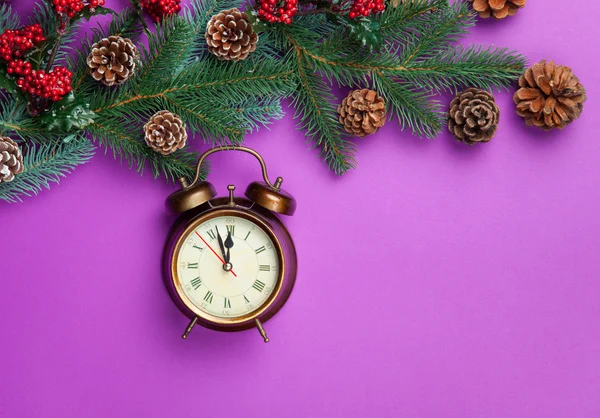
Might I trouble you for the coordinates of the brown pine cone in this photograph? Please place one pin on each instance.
(165, 132)
(230, 35)
(362, 112)
(113, 60)
(550, 96)
(499, 9)
(473, 116)
(11, 159)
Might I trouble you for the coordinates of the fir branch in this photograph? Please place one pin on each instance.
(414, 109)
(472, 66)
(124, 24)
(58, 40)
(46, 164)
(8, 18)
(194, 90)
(312, 102)
(126, 143)
(15, 121)
(449, 25)
(159, 60)
(256, 112)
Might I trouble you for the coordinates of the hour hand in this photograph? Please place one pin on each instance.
(228, 245)
(221, 244)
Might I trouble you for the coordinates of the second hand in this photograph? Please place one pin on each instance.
(214, 252)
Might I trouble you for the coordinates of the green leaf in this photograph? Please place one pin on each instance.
(366, 31)
(68, 115)
(87, 13)
(8, 83)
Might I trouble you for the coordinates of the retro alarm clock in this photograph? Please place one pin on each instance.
(229, 262)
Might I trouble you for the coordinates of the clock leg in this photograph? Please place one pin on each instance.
(189, 327)
(262, 331)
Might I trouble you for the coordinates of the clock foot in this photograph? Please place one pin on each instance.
(262, 331)
(189, 327)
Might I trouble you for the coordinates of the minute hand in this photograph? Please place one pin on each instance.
(221, 244)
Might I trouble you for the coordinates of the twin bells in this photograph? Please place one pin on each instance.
(263, 193)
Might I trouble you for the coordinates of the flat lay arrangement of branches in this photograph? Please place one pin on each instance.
(222, 67)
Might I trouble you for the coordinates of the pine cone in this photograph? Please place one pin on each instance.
(113, 60)
(362, 112)
(499, 9)
(550, 96)
(11, 159)
(473, 116)
(165, 132)
(230, 35)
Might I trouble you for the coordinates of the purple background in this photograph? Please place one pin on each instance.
(437, 280)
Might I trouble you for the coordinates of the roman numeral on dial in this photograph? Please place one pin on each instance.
(196, 283)
(264, 267)
(258, 285)
(192, 265)
(208, 297)
(211, 234)
(247, 235)
(197, 247)
(227, 303)
(246, 299)
(260, 250)
(230, 229)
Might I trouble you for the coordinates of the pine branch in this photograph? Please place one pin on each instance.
(15, 121)
(472, 66)
(313, 104)
(8, 18)
(46, 164)
(127, 143)
(414, 109)
(171, 40)
(194, 91)
(439, 30)
(44, 15)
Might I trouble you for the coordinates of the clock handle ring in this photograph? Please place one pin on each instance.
(275, 186)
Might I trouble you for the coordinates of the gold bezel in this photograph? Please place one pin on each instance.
(216, 213)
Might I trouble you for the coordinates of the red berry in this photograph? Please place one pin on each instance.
(277, 11)
(72, 7)
(158, 9)
(15, 43)
(53, 85)
(365, 8)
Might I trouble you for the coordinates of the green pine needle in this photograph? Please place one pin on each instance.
(46, 164)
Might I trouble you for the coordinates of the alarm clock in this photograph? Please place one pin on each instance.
(229, 262)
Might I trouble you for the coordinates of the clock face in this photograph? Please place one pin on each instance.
(228, 267)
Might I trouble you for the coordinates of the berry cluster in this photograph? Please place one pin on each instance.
(18, 67)
(158, 9)
(51, 85)
(277, 11)
(72, 7)
(365, 8)
(15, 43)
(13, 46)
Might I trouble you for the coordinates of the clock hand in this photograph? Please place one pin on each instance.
(228, 245)
(214, 252)
(221, 244)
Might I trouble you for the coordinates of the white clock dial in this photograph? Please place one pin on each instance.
(233, 289)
